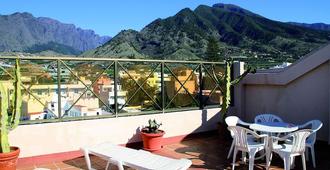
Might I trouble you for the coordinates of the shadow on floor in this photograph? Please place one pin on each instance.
(210, 152)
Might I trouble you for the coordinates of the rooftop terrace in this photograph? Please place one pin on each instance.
(206, 151)
(183, 96)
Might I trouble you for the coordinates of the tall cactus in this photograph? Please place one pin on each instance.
(9, 117)
(228, 82)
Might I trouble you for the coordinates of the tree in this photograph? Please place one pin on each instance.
(213, 49)
(140, 97)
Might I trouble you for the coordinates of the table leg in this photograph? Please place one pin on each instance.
(268, 149)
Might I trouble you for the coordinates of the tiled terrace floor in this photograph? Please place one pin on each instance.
(206, 152)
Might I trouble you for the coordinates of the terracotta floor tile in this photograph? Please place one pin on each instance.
(25, 167)
(62, 165)
(50, 166)
(71, 168)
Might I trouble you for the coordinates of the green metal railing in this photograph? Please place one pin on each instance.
(71, 71)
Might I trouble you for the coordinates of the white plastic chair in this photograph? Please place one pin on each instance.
(267, 118)
(315, 125)
(233, 121)
(244, 145)
(288, 151)
(264, 118)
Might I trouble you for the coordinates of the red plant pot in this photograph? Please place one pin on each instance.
(8, 161)
(152, 141)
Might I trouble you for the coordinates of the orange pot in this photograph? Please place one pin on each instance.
(152, 141)
(8, 161)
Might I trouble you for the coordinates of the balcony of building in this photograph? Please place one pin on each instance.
(112, 99)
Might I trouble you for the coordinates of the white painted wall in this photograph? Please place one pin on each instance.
(298, 93)
(48, 138)
(304, 99)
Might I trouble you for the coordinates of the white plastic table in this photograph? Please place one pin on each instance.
(271, 128)
(274, 127)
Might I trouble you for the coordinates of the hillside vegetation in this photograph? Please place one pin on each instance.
(239, 32)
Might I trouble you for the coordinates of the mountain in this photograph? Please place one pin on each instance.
(239, 31)
(25, 33)
(54, 47)
(316, 26)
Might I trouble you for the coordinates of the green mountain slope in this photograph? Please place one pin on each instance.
(239, 31)
(316, 26)
(52, 46)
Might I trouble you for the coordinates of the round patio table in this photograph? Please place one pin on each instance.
(272, 128)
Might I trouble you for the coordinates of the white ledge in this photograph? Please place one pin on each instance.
(286, 75)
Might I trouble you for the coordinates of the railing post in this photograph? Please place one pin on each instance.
(116, 87)
(162, 87)
(200, 94)
(59, 107)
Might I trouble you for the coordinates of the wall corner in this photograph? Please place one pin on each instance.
(238, 69)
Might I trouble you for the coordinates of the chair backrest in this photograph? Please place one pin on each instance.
(315, 125)
(232, 120)
(267, 118)
(299, 140)
(240, 137)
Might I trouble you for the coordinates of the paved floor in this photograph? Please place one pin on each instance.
(206, 152)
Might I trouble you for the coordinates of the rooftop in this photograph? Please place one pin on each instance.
(298, 93)
(206, 151)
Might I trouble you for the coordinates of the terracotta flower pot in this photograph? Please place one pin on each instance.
(8, 161)
(152, 141)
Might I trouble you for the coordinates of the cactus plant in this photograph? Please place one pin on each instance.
(10, 114)
(151, 136)
(153, 126)
(228, 83)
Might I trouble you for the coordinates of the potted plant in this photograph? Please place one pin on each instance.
(151, 136)
(226, 94)
(9, 119)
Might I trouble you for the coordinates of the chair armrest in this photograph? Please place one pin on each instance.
(263, 136)
(243, 123)
(284, 138)
(256, 135)
(304, 125)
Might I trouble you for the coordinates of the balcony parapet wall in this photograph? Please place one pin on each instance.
(49, 138)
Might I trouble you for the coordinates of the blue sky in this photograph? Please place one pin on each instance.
(108, 17)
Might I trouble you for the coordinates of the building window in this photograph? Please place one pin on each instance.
(39, 92)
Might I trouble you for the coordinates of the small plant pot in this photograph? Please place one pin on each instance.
(152, 141)
(8, 161)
